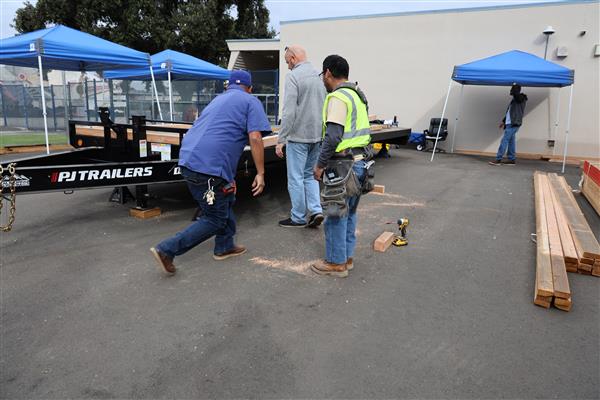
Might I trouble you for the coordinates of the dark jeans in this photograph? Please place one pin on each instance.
(216, 220)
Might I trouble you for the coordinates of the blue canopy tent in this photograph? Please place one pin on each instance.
(173, 65)
(512, 67)
(64, 48)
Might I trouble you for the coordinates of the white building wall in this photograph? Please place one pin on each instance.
(404, 63)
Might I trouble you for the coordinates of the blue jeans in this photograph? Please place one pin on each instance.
(509, 141)
(302, 186)
(216, 220)
(340, 233)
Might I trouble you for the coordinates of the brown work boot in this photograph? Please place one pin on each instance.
(164, 261)
(349, 263)
(323, 267)
(235, 251)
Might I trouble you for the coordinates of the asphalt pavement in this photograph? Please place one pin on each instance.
(86, 313)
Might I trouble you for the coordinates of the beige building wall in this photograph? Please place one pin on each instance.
(404, 63)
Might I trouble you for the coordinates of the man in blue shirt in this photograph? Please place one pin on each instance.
(208, 158)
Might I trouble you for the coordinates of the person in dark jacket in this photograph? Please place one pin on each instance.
(512, 121)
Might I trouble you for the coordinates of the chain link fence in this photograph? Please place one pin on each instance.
(21, 106)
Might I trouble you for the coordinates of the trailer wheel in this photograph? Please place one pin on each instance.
(420, 147)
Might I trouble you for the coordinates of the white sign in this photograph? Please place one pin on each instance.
(163, 149)
(143, 148)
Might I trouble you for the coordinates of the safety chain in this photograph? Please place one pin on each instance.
(12, 182)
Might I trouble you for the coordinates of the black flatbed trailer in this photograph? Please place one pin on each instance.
(107, 154)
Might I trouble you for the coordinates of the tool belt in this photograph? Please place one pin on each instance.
(339, 183)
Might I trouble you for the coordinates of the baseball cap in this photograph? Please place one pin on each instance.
(240, 77)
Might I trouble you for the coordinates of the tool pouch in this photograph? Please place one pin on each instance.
(339, 183)
(369, 182)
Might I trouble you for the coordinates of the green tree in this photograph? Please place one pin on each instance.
(195, 27)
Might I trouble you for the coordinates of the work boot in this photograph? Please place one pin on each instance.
(235, 251)
(323, 267)
(509, 162)
(288, 223)
(315, 220)
(164, 261)
(349, 263)
(495, 162)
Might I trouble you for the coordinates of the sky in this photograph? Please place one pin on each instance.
(286, 10)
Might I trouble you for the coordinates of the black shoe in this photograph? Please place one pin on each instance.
(315, 220)
(509, 162)
(288, 223)
(495, 162)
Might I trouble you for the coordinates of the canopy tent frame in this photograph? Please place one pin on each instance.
(172, 65)
(28, 50)
(556, 84)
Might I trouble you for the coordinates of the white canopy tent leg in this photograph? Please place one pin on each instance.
(65, 100)
(43, 104)
(441, 120)
(556, 121)
(462, 87)
(568, 128)
(170, 96)
(156, 93)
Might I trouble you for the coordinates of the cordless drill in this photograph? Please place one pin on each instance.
(401, 240)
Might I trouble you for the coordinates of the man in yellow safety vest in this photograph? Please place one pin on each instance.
(346, 134)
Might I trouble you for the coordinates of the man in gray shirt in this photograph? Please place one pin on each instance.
(301, 132)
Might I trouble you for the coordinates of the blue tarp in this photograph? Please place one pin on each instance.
(513, 67)
(68, 49)
(182, 67)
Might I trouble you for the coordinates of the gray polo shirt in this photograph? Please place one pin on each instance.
(304, 95)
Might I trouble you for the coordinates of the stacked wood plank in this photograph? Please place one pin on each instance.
(590, 186)
(565, 241)
(584, 239)
(551, 282)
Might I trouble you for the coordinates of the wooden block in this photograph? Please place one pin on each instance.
(145, 214)
(544, 280)
(379, 189)
(589, 261)
(559, 271)
(596, 271)
(563, 304)
(383, 242)
(584, 272)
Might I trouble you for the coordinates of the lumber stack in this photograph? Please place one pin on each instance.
(590, 185)
(551, 282)
(584, 239)
(565, 241)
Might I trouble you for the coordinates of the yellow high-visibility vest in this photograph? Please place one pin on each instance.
(357, 131)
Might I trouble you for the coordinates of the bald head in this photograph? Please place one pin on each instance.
(294, 55)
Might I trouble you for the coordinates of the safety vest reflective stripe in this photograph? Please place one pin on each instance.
(353, 112)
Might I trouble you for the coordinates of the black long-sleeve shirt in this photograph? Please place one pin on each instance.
(333, 137)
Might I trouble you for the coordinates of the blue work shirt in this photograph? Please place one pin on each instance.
(214, 144)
